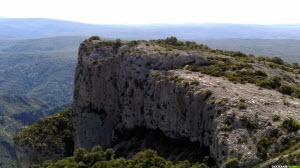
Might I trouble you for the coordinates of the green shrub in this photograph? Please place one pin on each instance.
(212, 70)
(94, 38)
(262, 146)
(79, 154)
(286, 89)
(99, 159)
(239, 54)
(93, 157)
(226, 128)
(232, 163)
(47, 163)
(242, 100)
(133, 43)
(263, 58)
(208, 92)
(197, 165)
(277, 60)
(243, 76)
(193, 68)
(117, 43)
(54, 131)
(242, 106)
(194, 82)
(290, 125)
(295, 65)
(275, 118)
(185, 83)
(97, 148)
(296, 93)
(270, 83)
(171, 41)
(176, 78)
(109, 154)
(261, 73)
(272, 65)
(153, 74)
(251, 125)
(147, 159)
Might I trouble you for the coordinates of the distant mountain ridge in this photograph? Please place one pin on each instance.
(40, 68)
(38, 28)
(288, 49)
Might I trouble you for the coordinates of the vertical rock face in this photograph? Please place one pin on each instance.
(123, 87)
(117, 88)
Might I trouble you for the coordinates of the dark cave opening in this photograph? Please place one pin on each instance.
(131, 141)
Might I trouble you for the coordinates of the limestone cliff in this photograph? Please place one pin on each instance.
(185, 101)
(123, 86)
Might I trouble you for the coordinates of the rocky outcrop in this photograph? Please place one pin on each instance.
(126, 87)
(118, 92)
(131, 96)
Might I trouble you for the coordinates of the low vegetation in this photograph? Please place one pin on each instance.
(54, 131)
(262, 146)
(99, 158)
(289, 146)
(275, 118)
(242, 106)
(232, 163)
(238, 67)
(94, 38)
(112, 43)
(288, 154)
(290, 125)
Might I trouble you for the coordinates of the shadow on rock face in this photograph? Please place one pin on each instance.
(129, 142)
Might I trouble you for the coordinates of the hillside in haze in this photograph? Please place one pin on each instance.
(40, 68)
(37, 28)
(287, 49)
(36, 80)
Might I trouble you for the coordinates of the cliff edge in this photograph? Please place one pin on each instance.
(186, 101)
(123, 86)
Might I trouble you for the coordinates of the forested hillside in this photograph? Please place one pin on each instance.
(36, 80)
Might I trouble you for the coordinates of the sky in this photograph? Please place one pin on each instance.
(156, 11)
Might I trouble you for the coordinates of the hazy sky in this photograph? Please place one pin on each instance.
(156, 11)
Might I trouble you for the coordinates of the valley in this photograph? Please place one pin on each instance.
(36, 80)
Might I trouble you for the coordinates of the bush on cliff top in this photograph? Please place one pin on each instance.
(232, 163)
(94, 38)
(53, 131)
(99, 158)
(290, 125)
(238, 66)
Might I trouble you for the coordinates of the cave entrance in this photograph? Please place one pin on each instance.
(131, 141)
